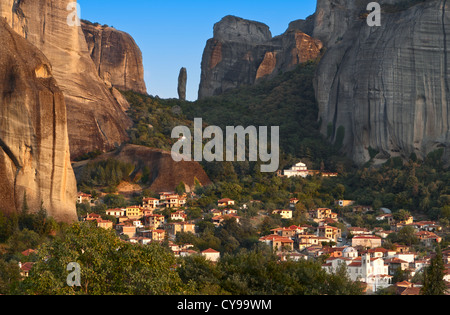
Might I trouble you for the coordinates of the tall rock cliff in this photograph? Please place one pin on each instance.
(117, 57)
(182, 83)
(34, 145)
(242, 52)
(96, 121)
(385, 89)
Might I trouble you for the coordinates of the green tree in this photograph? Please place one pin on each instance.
(108, 265)
(433, 277)
(9, 277)
(180, 189)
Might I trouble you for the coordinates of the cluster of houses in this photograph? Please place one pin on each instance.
(362, 252)
(144, 224)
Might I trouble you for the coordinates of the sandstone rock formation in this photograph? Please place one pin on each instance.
(96, 121)
(34, 145)
(385, 88)
(182, 81)
(117, 57)
(166, 174)
(243, 51)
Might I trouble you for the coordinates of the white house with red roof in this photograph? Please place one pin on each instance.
(211, 255)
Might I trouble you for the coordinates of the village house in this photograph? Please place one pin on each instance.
(298, 170)
(229, 212)
(379, 252)
(278, 243)
(329, 232)
(158, 235)
(332, 251)
(407, 288)
(211, 255)
(154, 221)
(144, 240)
(105, 224)
(291, 256)
(396, 264)
(84, 198)
(383, 234)
(400, 248)
(147, 212)
(186, 249)
(396, 225)
(25, 268)
(428, 238)
(361, 209)
(92, 217)
(178, 216)
(218, 220)
(226, 202)
(306, 240)
(290, 232)
(429, 226)
(285, 214)
(322, 213)
(171, 200)
(126, 229)
(150, 203)
(116, 212)
(314, 251)
(180, 227)
(122, 219)
(358, 231)
(28, 252)
(366, 241)
(133, 212)
(371, 271)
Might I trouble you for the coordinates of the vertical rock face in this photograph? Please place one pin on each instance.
(34, 145)
(116, 56)
(96, 121)
(386, 88)
(182, 81)
(242, 52)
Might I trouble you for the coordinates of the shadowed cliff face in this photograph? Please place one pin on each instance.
(34, 146)
(96, 121)
(117, 57)
(242, 52)
(386, 88)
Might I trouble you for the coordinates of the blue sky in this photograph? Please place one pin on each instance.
(173, 34)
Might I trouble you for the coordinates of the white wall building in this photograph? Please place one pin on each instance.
(372, 271)
(299, 169)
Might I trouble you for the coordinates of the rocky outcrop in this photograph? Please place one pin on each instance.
(116, 56)
(385, 89)
(96, 121)
(34, 145)
(165, 173)
(242, 52)
(182, 82)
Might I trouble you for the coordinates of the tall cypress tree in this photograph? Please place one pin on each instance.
(433, 282)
